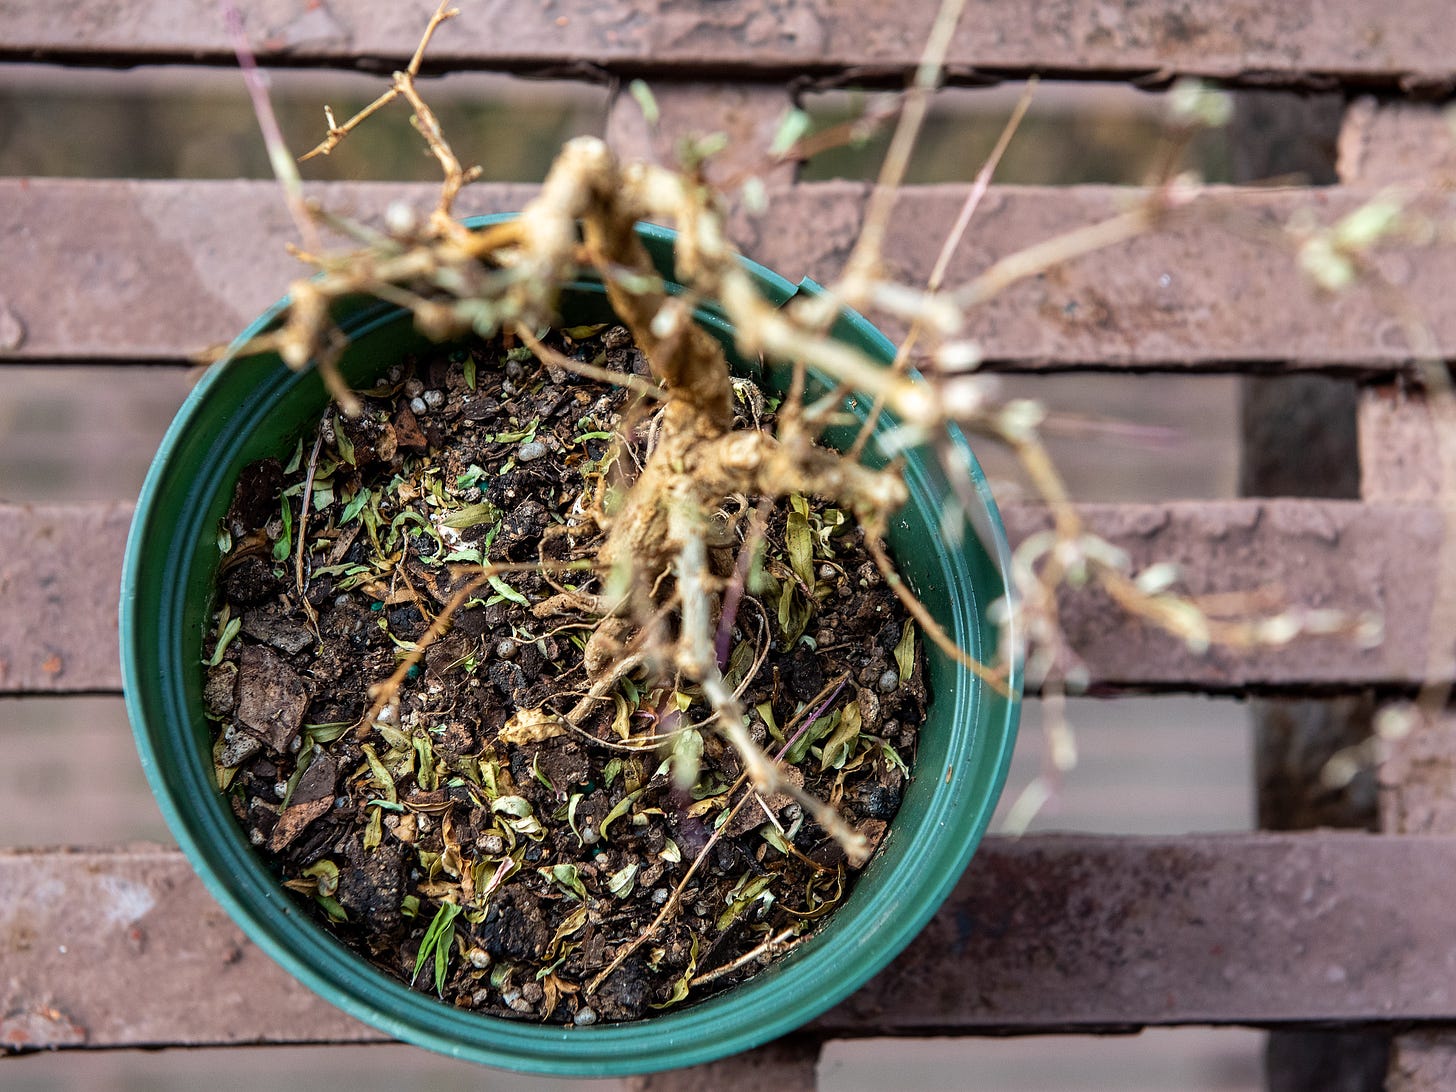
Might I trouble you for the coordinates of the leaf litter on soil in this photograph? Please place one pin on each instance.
(470, 841)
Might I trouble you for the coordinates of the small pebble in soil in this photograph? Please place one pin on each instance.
(479, 958)
(434, 399)
(888, 682)
(505, 648)
(417, 406)
(516, 1002)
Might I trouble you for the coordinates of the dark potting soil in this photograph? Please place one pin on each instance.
(467, 840)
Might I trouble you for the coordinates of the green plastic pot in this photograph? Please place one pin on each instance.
(251, 408)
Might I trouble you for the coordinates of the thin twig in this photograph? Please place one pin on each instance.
(279, 157)
(300, 580)
(947, 250)
(547, 355)
(338, 132)
(864, 260)
(774, 945)
(933, 629)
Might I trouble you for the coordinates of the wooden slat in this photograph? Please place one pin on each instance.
(1396, 143)
(1422, 1061)
(60, 572)
(1400, 452)
(61, 567)
(785, 1065)
(747, 114)
(157, 270)
(125, 948)
(1395, 43)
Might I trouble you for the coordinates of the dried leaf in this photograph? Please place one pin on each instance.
(622, 718)
(518, 816)
(571, 806)
(620, 883)
(812, 735)
(345, 445)
(374, 829)
(840, 744)
(569, 925)
(531, 726)
(905, 650)
(380, 775)
(683, 982)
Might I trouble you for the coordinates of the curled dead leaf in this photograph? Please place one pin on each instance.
(531, 726)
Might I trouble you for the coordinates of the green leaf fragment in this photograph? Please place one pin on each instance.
(816, 731)
(800, 541)
(297, 460)
(230, 630)
(327, 874)
(683, 982)
(472, 515)
(687, 757)
(284, 546)
(620, 809)
(354, 506)
(331, 907)
(437, 941)
(643, 97)
(505, 591)
(518, 815)
(793, 128)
